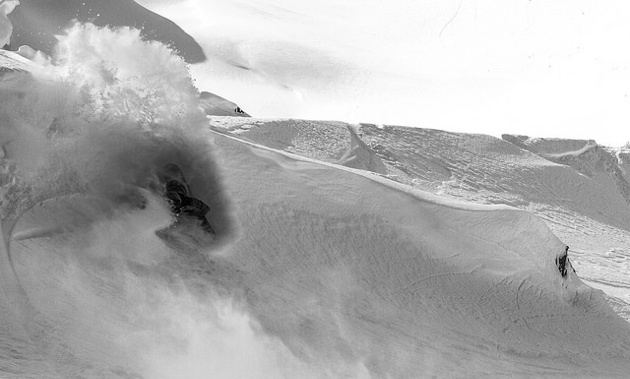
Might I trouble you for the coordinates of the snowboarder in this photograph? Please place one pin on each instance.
(177, 194)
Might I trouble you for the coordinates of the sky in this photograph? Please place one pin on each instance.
(544, 69)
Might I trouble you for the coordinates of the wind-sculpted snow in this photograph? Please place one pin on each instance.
(317, 271)
(326, 141)
(586, 157)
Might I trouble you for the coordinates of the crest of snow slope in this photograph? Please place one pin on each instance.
(577, 188)
(216, 105)
(319, 270)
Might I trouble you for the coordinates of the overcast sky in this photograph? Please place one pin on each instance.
(539, 68)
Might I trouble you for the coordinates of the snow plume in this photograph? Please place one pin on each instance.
(125, 75)
(106, 94)
(82, 138)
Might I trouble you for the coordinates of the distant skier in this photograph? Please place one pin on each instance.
(562, 260)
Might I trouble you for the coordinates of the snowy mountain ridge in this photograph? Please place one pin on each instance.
(428, 159)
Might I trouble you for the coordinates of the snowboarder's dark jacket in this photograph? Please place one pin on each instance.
(180, 202)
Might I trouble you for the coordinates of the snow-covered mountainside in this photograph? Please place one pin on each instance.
(354, 251)
(577, 187)
(37, 22)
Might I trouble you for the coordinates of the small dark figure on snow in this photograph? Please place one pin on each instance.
(562, 260)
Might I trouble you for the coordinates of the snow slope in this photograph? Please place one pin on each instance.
(318, 269)
(577, 187)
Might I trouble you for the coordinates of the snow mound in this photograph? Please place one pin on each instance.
(215, 105)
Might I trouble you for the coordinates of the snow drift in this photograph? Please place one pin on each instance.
(319, 270)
